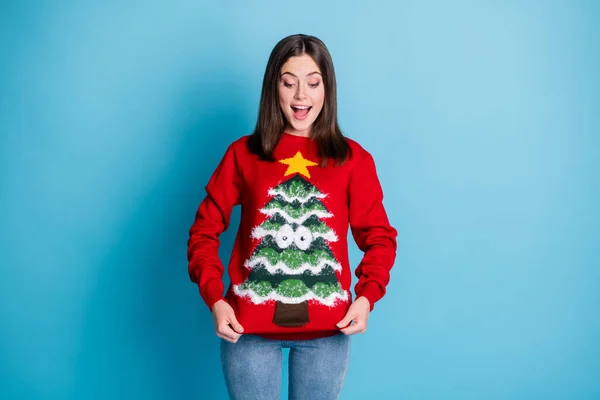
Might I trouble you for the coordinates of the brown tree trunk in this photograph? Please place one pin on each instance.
(291, 314)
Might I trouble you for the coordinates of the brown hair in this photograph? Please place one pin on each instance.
(271, 121)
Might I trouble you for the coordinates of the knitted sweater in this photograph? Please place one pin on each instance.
(289, 269)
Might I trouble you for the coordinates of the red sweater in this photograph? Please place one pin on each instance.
(289, 269)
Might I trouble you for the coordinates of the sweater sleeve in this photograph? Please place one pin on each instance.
(371, 229)
(212, 218)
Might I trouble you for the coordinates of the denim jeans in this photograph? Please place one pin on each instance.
(317, 367)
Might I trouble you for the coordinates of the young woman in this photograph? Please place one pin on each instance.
(300, 184)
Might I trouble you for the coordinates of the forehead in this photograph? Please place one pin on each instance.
(300, 65)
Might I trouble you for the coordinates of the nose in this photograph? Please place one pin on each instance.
(300, 92)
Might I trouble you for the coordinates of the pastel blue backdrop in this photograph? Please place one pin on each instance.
(483, 118)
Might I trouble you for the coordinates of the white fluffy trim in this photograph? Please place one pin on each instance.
(256, 299)
(287, 270)
(288, 218)
(258, 233)
(273, 192)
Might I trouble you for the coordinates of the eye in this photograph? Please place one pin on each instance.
(314, 85)
(285, 236)
(303, 237)
(288, 85)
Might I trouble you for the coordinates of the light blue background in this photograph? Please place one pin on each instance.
(483, 118)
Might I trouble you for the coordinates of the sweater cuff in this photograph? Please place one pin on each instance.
(371, 291)
(211, 294)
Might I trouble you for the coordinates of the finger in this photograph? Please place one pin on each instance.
(226, 338)
(229, 333)
(356, 328)
(345, 321)
(226, 330)
(229, 339)
(235, 324)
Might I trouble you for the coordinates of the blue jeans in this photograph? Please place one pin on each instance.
(317, 367)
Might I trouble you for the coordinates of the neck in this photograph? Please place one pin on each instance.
(303, 133)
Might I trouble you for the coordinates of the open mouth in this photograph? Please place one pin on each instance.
(300, 112)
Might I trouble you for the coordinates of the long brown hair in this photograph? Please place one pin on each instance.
(271, 121)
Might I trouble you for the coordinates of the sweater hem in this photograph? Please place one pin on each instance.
(297, 335)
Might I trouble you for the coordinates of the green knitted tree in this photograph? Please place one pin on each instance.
(293, 263)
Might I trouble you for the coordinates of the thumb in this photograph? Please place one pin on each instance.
(235, 324)
(347, 319)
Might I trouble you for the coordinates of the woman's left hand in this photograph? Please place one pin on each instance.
(358, 313)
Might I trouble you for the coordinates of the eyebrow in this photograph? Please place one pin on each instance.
(312, 73)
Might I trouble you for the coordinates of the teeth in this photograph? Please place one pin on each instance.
(301, 107)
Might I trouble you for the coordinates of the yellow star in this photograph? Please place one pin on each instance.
(298, 164)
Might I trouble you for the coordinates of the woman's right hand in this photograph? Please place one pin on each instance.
(224, 317)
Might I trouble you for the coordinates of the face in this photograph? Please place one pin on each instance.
(301, 94)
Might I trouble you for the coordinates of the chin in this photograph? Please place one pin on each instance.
(302, 127)
(299, 125)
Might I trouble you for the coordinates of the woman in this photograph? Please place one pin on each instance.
(300, 184)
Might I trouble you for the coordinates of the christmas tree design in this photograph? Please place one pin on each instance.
(293, 263)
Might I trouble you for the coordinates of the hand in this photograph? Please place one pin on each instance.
(225, 320)
(359, 314)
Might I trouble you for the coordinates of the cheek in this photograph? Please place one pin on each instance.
(281, 95)
(319, 100)
(285, 99)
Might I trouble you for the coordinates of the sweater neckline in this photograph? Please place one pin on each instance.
(296, 137)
